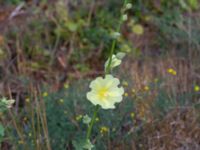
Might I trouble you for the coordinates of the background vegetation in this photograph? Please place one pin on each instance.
(51, 50)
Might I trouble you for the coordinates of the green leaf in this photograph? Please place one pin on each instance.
(82, 145)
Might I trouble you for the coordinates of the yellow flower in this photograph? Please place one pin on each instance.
(45, 94)
(79, 117)
(196, 88)
(138, 29)
(104, 130)
(96, 119)
(171, 71)
(126, 94)
(27, 100)
(125, 83)
(66, 85)
(105, 92)
(61, 100)
(21, 142)
(146, 88)
(133, 91)
(132, 115)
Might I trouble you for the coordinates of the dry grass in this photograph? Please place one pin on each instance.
(146, 71)
(178, 130)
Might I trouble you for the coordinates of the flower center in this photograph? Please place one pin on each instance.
(103, 93)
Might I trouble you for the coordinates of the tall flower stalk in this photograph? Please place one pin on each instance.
(105, 91)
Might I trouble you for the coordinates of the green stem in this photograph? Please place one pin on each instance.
(92, 122)
(108, 69)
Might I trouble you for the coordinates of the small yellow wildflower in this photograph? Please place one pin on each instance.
(27, 100)
(126, 94)
(171, 71)
(125, 83)
(79, 117)
(45, 94)
(20, 142)
(105, 92)
(61, 100)
(66, 85)
(138, 29)
(133, 90)
(146, 88)
(196, 88)
(104, 130)
(97, 119)
(132, 115)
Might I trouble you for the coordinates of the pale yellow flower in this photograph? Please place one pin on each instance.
(196, 88)
(105, 92)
